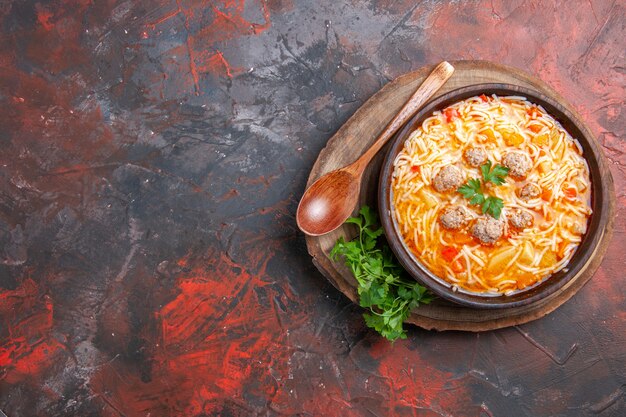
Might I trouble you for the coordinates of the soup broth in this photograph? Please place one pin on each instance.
(545, 195)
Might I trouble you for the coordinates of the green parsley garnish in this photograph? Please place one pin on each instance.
(383, 287)
(496, 175)
(473, 189)
(493, 206)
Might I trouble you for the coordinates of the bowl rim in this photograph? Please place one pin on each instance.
(549, 285)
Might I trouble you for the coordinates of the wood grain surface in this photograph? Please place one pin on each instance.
(360, 131)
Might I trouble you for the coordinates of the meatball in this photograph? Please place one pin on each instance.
(529, 191)
(519, 164)
(475, 156)
(453, 217)
(521, 219)
(448, 178)
(487, 230)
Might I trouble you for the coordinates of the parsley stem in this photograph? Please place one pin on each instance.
(382, 285)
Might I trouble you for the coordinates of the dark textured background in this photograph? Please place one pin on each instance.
(153, 154)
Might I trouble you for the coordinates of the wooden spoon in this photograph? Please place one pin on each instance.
(330, 200)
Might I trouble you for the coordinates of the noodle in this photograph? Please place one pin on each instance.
(520, 258)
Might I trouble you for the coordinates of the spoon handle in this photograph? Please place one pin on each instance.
(435, 80)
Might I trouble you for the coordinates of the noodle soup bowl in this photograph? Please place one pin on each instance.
(553, 284)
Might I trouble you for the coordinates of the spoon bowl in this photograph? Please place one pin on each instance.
(323, 214)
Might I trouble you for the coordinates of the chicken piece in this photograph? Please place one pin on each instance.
(448, 178)
(518, 163)
(453, 217)
(520, 219)
(488, 230)
(475, 156)
(529, 191)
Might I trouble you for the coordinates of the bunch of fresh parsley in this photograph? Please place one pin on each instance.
(473, 189)
(383, 287)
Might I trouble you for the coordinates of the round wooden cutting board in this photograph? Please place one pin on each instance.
(360, 131)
